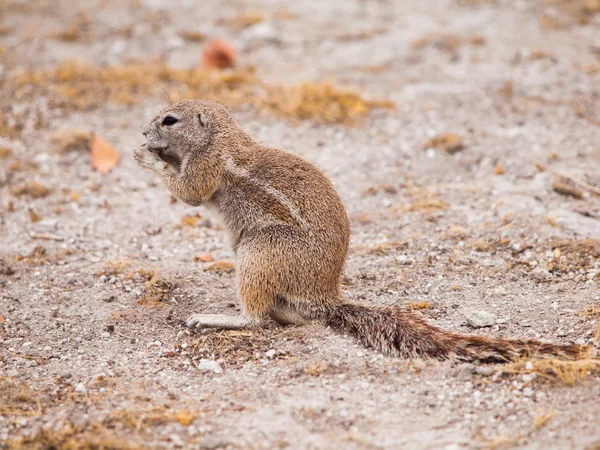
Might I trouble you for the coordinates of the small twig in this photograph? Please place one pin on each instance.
(47, 237)
(32, 357)
(579, 182)
(123, 335)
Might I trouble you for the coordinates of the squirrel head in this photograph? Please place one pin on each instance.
(189, 126)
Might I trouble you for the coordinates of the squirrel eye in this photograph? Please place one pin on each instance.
(169, 120)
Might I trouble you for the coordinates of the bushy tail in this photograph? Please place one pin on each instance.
(408, 335)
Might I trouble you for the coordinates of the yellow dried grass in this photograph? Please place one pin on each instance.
(74, 85)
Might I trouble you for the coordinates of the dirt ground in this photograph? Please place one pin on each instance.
(454, 197)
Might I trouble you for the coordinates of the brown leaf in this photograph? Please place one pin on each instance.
(499, 169)
(1, 318)
(204, 257)
(35, 217)
(104, 156)
(217, 54)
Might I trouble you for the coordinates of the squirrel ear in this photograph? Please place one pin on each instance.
(202, 119)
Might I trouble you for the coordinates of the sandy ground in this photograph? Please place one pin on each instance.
(93, 352)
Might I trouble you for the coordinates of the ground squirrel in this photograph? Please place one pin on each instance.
(289, 231)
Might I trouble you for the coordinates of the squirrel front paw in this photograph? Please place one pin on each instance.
(147, 158)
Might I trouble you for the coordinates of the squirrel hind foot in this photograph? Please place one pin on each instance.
(219, 321)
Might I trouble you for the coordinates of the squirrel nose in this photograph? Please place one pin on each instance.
(145, 130)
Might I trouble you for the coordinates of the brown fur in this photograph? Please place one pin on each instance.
(290, 233)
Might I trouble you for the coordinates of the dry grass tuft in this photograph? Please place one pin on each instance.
(543, 418)
(39, 255)
(191, 221)
(315, 369)
(31, 188)
(419, 306)
(140, 419)
(157, 291)
(5, 152)
(18, 399)
(564, 13)
(321, 102)
(568, 372)
(237, 347)
(381, 249)
(77, 30)
(157, 287)
(72, 140)
(570, 255)
(73, 437)
(451, 142)
(76, 86)
(427, 204)
(220, 267)
(9, 126)
(497, 442)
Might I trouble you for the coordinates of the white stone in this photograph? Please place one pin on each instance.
(207, 365)
(480, 319)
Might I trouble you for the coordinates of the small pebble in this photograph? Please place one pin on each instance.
(403, 260)
(486, 371)
(541, 274)
(207, 365)
(481, 319)
(81, 388)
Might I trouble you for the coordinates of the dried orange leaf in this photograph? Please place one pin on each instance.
(1, 318)
(217, 54)
(104, 156)
(499, 169)
(204, 257)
